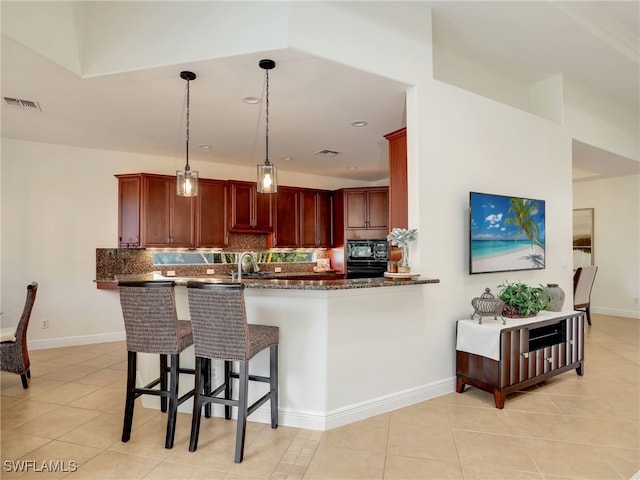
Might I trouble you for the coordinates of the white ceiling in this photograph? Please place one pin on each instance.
(313, 101)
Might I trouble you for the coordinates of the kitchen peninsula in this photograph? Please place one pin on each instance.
(344, 349)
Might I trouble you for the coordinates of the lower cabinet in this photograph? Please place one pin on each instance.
(501, 359)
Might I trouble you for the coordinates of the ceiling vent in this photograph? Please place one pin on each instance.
(327, 153)
(22, 104)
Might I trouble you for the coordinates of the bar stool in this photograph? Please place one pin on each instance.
(221, 331)
(152, 326)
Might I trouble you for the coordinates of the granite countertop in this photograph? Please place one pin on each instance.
(281, 282)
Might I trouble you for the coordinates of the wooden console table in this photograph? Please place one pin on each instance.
(501, 359)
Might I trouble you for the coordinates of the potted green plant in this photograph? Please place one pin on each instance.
(522, 300)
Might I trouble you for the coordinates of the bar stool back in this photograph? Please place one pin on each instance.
(152, 326)
(221, 331)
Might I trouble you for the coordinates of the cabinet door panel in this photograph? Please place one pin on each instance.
(241, 209)
(356, 209)
(212, 214)
(287, 225)
(129, 211)
(324, 219)
(156, 217)
(308, 218)
(378, 209)
(263, 221)
(182, 219)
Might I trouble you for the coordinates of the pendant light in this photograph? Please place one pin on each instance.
(267, 180)
(187, 180)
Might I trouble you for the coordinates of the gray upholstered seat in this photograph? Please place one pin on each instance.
(152, 326)
(14, 354)
(221, 331)
(583, 281)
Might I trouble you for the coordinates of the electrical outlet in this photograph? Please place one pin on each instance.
(210, 271)
(277, 269)
(45, 324)
(171, 273)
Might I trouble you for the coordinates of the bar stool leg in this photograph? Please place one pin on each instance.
(273, 384)
(173, 401)
(163, 381)
(197, 403)
(207, 386)
(243, 398)
(130, 400)
(227, 387)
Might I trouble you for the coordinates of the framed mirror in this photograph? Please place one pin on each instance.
(583, 254)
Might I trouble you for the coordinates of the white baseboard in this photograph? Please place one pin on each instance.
(616, 312)
(75, 341)
(342, 416)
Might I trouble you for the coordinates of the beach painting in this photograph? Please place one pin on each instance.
(506, 233)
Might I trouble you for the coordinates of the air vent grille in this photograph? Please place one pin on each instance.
(327, 153)
(22, 104)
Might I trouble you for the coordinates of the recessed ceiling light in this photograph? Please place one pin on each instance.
(205, 147)
(352, 167)
(287, 158)
(251, 100)
(359, 123)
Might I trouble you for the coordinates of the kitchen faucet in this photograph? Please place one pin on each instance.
(254, 264)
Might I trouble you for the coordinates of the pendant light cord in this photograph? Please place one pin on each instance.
(187, 168)
(266, 161)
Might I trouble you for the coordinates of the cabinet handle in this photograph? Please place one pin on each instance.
(525, 354)
(549, 359)
(570, 342)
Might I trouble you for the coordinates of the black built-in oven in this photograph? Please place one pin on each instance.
(366, 258)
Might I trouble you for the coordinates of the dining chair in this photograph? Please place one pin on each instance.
(152, 326)
(221, 331)
(14, 354)
(583, 281)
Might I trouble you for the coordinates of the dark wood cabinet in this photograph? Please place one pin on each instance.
(286, 230)
(150, 214)
(167, 219)
(129, 188)
(525, 354)
(361, 213)
(250, 211)
(398, 190)
(315, 218)
(211, 214)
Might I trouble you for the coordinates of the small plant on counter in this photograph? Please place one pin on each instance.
(402, 236)
(522, 300)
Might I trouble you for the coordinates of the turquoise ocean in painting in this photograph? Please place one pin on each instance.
(485, 248)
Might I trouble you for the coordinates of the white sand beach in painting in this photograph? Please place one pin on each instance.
(521, 259)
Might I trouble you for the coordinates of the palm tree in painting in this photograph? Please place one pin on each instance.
(522, 211)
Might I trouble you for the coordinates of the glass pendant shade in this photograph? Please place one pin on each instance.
(187, 183)
(267, 178)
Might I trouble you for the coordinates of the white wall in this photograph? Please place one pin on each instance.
(616, 204)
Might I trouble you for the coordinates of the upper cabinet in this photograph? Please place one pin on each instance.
(315, 218)
(398, 198)
(212, 227)
(360, 213)
(129, 193)
(302, 218)
(167, 219)
(150, 214)
(250, 211)
(286, 231)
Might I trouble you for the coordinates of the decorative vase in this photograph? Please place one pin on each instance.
(403, 265)
(556, 297)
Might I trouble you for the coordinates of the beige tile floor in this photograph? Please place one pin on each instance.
(567, 428)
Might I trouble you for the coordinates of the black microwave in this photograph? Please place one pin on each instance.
(367, 250)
